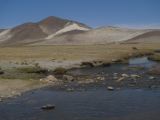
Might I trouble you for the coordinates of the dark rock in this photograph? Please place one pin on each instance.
(1, 72)
(110, 88)
(60, 71)
(87, 64)
(134, 48)
(152, 78)
(48, 107)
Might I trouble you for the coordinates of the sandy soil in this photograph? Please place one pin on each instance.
(10, 88)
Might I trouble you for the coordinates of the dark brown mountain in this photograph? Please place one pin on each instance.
(53, 24)
(33, 32)
(25, 33)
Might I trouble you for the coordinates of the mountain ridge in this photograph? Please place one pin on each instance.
(58, 31)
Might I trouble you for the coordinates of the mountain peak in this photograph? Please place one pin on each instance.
(52, 20)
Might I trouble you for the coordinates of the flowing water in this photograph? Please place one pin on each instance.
(96, 103)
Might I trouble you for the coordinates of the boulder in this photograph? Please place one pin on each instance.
(152, 78)
(110, 88)
(1, 72)
(48, 107)
(134, 76)
(49, 78)
(125, 75)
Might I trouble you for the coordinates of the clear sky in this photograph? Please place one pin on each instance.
(92, 12)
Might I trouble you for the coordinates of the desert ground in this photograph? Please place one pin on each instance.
(15, 62)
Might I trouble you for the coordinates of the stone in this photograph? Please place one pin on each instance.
(70, 89)
(115, 77)
(48, 107)
(116, 60)
(100, 78)
(152, 78)
(134, 76)
(49, 78)
(68, 77)
(120, 79)
(125, 75)
(1, 72)
(110, 88)
(115, 74)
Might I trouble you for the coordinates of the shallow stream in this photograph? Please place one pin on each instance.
(95, 103)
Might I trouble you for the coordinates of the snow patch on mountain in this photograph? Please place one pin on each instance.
(5, 35)
(68, 28)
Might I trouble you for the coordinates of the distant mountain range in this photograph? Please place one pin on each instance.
(58, 31)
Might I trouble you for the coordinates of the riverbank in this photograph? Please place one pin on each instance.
(23, 67)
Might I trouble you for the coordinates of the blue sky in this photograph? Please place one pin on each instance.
(95, 13)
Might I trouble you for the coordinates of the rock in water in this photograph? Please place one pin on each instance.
(110, 88)
(125, 75)
(48, 107)
(152, 78)
(134, 76)
(120, 79)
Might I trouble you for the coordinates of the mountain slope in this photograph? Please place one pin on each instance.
(95, 36)
(24, 33)
(148, 37)
(69, 27)
(53, 24)
(35, 32)
(1, 30)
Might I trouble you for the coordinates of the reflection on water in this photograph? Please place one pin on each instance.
(117, 68)
(95, 104)
(142, 61)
